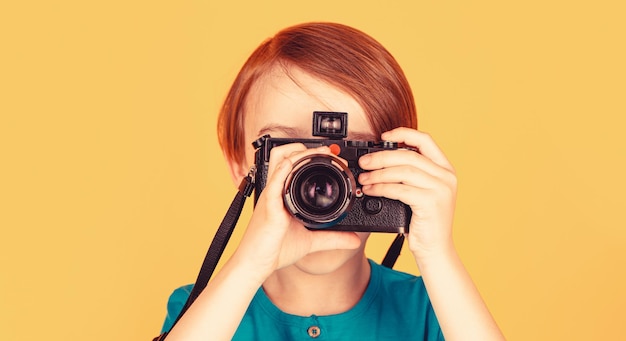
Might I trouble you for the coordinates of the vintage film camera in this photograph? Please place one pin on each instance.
(322, 192)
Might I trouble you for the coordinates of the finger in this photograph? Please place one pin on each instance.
(420, 140)
(273, 188)
(407, 175)
(401, 157)
(407, 194)
(277, 154)
(293, 151)
(294, 157)
(334, 240)
(282, 159)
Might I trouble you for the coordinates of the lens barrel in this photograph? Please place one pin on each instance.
(319, 191)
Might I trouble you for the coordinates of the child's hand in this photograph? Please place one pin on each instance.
(425, 181)
(274, 239)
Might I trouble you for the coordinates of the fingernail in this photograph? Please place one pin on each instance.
(363, 177)
(365, 159)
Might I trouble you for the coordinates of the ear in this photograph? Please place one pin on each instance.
(238, 170)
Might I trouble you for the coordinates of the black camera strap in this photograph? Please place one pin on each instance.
(394, 251)
(225, 231)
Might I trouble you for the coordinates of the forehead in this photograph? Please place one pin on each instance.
(282, 102)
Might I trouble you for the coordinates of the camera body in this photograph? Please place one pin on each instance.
(322, 191)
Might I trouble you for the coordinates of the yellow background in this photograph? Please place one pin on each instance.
(112, 183)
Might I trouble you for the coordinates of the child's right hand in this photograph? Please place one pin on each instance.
(274, 239)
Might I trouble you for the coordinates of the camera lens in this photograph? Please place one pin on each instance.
(319, 191)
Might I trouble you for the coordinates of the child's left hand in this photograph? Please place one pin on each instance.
(425, 181)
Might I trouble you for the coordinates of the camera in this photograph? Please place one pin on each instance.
(322, 191)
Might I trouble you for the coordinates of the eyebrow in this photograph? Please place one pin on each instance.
(282, 130)
(294, 132)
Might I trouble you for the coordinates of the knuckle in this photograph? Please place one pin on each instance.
(406, 172)
(404, 191)
(451, 179)
(447, 190)
(413, 156)
(452, 169)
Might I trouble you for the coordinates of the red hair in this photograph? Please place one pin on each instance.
(340, 55)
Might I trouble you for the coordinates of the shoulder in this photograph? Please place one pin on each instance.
(401, 303)
(398, 282)
(180, 295)
(175, 305)
(400, 294)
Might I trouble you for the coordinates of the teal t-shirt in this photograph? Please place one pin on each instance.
(395, 306)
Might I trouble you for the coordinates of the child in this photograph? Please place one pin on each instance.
(285, 282)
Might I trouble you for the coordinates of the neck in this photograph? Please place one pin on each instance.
(296, 291)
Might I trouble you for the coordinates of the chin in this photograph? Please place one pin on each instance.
(326, 262)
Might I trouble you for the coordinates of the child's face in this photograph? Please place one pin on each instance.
(282, 105)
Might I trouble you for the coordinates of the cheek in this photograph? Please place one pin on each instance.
(248, 139)
(249, 156)
(249, 151)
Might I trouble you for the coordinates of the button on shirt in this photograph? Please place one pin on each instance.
(314, 331)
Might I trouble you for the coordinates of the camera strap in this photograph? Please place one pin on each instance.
(394, 251)
(225, 231)
(218, 244)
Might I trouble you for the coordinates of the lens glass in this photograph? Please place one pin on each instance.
(319, 192)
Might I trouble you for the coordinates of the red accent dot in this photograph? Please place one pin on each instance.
(335, 149)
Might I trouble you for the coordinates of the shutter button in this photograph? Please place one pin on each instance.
(314, 331)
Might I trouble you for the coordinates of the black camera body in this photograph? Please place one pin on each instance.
(322, 192)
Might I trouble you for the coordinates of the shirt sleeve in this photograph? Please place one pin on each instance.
(175, 305)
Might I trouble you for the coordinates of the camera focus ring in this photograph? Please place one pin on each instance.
(319, 191)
